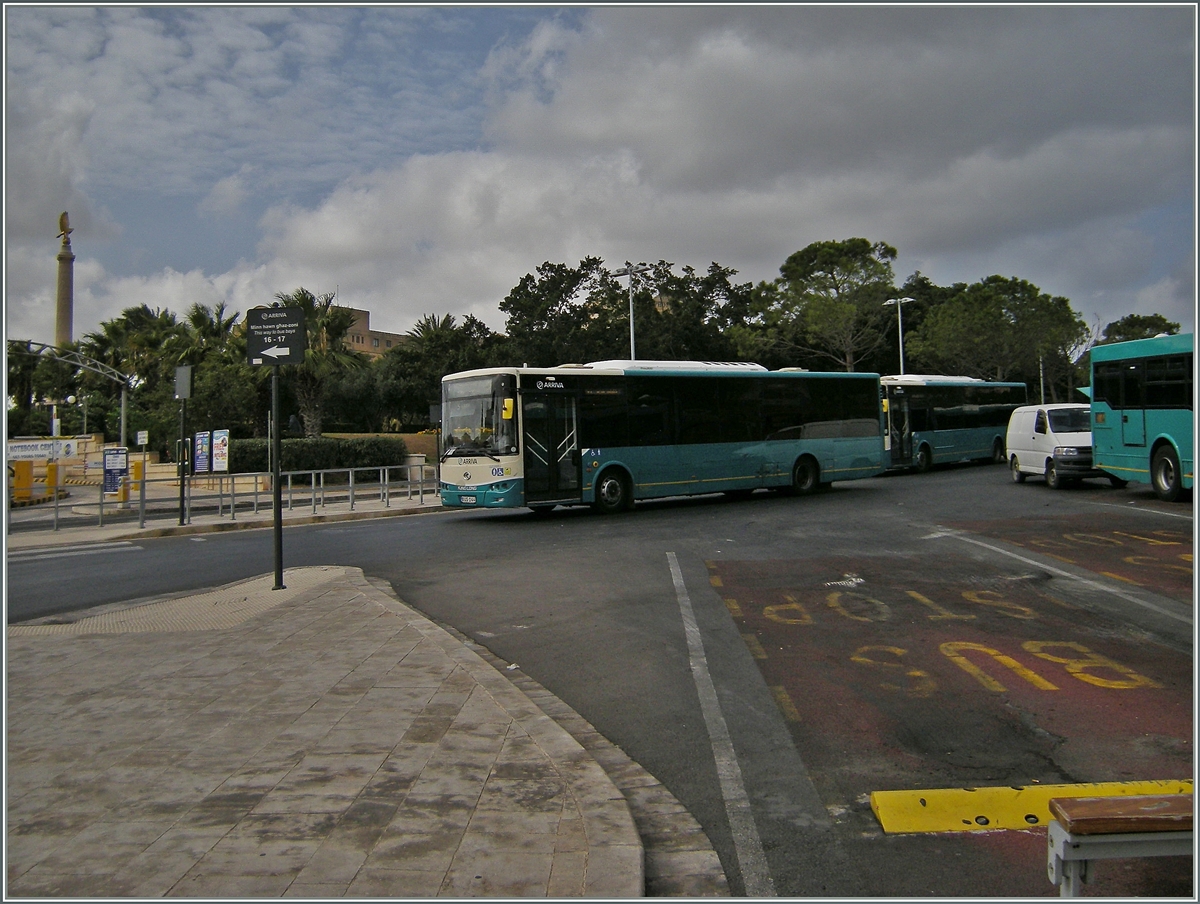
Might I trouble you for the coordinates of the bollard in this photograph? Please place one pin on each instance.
(232, 498)
(142, 503)
(351, 489)
(22, 480)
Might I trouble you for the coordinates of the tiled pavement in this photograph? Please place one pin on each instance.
(319, 741)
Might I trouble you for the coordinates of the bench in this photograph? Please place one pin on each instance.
(1100, 828)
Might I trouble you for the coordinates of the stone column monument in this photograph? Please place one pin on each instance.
(64, 312)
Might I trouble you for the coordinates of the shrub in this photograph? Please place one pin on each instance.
(320, 454)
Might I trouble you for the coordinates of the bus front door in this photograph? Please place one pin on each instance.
(552, 459)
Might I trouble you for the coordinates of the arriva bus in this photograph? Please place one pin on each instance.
(610, 432)
(1142, 412)
(934, 419)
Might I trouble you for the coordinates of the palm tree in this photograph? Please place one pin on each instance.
(326, 324)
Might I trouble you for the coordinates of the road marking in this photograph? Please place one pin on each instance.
(34, 555)
(1095, 585)
(1148, 511)
(752, 862)
(988, 809)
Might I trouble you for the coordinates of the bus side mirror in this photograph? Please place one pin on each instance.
(506, 411)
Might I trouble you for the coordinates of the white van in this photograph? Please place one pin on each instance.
(1054, 441)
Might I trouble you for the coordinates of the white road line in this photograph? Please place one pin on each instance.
(747, 845)
(1144, 511)
(34, 555)
(1095, 585)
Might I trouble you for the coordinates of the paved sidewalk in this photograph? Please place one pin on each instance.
(318, 741)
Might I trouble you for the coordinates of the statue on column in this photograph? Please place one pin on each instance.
(64, 228)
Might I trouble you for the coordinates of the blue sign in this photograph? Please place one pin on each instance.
(116, 466)
(201, 461)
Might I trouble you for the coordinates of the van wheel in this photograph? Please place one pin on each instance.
(1018, 475)
(924, 460)
(613, 493)
(1164, 474)
(806, 476)
(1053, 480)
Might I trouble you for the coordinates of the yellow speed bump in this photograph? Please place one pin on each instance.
(988, 809)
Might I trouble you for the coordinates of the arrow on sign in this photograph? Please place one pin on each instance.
(276, 351)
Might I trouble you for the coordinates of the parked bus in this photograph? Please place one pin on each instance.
(1142, 406)
(935, 419)
(610, 432)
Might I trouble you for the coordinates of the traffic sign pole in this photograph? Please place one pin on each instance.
(276, 489)
(275, 336)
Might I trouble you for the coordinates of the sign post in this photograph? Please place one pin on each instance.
(183, 392)
(276, 336)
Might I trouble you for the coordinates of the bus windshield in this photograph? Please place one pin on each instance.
(479, 417)
(1071, 420)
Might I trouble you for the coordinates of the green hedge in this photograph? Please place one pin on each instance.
(250, 455)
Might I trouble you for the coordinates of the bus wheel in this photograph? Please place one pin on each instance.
(1018, 475)
(1053, 480)
(997, 453)
(613, 493)
(1164, 474)
(924, 460)
(806, 476)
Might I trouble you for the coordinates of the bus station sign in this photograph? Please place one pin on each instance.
(275, 336)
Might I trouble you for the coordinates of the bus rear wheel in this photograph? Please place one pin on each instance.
(998, 452)
(613, 492)
(806, 476)
(1165, 475)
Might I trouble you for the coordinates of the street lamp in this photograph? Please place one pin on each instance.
(629, 270)
(899, 303)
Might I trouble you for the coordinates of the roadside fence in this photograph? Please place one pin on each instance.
(159, 498)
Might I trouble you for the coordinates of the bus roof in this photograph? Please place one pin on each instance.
(937, 380)
(1143, 348)
(618, 367)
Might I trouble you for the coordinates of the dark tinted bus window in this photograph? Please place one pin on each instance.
(602, 413)
(786, 407)
(1106, 384)
(1132, 376)
(649, 411)
(696, 407)
(1169, 382)
(740, 403)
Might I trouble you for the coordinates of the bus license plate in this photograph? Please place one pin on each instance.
(467, 500)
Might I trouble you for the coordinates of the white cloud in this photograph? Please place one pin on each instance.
(402, 163)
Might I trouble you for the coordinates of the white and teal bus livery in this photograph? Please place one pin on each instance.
(611, 432)
(1143, 412)
(932, 419)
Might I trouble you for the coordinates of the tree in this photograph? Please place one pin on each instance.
(326, 356)
(1002, 329)
(1137, 326)
(830, 301)
(548, 321)
(408, 378)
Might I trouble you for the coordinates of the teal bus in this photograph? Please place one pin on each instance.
(611, 432)
(1142, 412)
(938, 419)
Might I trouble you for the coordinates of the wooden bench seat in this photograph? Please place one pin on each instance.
(1099, 828)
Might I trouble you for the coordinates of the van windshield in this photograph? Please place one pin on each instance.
(1071, 420)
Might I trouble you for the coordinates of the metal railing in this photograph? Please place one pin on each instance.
(225, 494)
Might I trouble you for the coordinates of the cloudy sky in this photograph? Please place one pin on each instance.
(423, 159)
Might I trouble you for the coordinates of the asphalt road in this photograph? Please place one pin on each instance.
(774, 660)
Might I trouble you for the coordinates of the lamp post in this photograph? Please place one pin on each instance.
(629, 270)
(899, 303)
